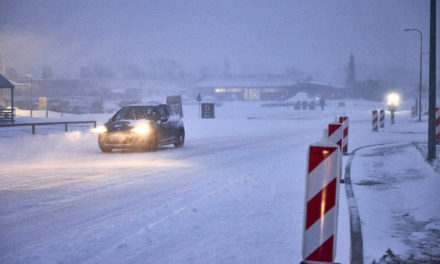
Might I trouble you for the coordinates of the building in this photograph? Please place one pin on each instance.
(261, 87)
(6, 106)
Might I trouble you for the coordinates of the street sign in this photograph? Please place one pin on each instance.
(42, 103)
(208, 110)
(176, 103)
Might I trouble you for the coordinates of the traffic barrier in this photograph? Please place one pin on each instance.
(344, 121)
(392, 117)
(335, 134)
(413, 111)
(374, 123)
(437, 123)
(321, 203)
(382, 118)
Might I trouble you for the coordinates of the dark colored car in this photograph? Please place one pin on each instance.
(142, 127)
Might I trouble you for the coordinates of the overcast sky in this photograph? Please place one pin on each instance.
(313, 36)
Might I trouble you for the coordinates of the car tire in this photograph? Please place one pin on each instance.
(152, 143)
(180, 139)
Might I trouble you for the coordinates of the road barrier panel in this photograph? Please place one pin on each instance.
(321, 202)
(382, 118)
(374, 123)
(335, 136)
(345, 124)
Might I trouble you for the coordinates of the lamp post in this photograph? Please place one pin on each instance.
(32, 94)
(420, 77)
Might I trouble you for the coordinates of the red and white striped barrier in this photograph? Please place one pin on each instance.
(382, 118)
(437, 123)
(335, 134)
(374, 123)
(392, 117)
(321, 205)
(344, 121)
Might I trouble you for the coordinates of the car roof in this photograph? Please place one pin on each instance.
(147, 104)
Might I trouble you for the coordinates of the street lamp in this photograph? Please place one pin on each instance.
(420, 77)
(32, 95)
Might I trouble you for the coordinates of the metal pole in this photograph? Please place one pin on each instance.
(432, 86)
(420, 73)
(32, 98)
(420, 78)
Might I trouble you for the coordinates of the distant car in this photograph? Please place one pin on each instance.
(142, 127)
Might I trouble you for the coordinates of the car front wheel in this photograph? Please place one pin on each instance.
(180, 140)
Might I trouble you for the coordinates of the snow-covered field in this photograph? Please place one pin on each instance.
(233, 194)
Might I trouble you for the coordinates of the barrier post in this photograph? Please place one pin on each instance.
(374, 123)
(345, 124)
(392, 117)
(321, 203)
(382, 118)
(335, 136)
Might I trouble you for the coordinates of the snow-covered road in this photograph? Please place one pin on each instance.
(233, 194)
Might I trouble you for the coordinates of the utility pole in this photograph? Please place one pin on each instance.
(432, 79)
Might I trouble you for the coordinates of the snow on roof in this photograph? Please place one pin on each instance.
(4, 83)
(320, 83)
(300, 96)
(251, 81)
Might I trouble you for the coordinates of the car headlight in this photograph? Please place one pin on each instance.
(100, 129)
(142, 129)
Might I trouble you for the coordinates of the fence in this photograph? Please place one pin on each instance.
(65, 123)
(6, 116)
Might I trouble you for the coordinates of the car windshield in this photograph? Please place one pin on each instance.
(134, 113)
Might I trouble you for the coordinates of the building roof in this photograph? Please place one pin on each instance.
(247, 81)
(4, 83)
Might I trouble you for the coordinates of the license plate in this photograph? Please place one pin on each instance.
(117, 138)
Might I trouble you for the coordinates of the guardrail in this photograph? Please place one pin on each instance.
(6, 116)
(65, 123)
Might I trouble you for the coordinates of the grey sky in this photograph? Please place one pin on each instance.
(314, 36)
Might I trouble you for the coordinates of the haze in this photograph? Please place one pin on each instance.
(253, 37)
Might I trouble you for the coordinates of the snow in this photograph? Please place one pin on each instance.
(233, 194)
(300, 96)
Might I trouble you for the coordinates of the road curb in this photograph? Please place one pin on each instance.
(357, 245)
(356, 253)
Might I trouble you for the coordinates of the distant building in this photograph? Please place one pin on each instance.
(6, 106)
(261, 87)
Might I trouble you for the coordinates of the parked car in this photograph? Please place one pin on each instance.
(142, 127)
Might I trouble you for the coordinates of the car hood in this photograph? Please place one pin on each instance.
(125, 125)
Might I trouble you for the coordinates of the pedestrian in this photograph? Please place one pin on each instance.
(322, 102)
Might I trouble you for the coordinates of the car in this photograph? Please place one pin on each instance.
(143, 128)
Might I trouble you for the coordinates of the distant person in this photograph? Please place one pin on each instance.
(322, 103)
(304, 105)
